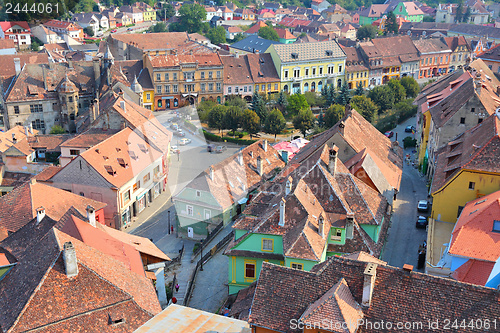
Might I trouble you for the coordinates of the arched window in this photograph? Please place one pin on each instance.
(218, 100)
(313, 86)
(285, 88)
(176, 102)
(339, 83)
(306, 87)
(160, 103)
(320, 86)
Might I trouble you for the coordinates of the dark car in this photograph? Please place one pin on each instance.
(409, 129)
(389, 134)
(210, 148)
(180, 134)
(421, 222)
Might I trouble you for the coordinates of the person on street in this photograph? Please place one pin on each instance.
(176, 287)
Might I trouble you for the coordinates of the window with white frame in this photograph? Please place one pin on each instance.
(189, 210)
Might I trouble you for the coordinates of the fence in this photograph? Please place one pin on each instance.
(176, 259)
(207, 240)
(205, 258)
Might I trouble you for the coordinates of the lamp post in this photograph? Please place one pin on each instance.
(168, 222)
(201, 254)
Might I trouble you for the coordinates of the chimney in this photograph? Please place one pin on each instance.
(70, 262)
(97, 68)
(26, 131)
(31, 128)
(91, 215)
(282, 212)
(122, 105)
(407, 268)
(370, 275)
(264, 145)
(251, 154)
(45, 85)
(321, 226)
(288, 186)
(259, 166)
(95, 109)
(212, 176)
(237, 55)
(349, 225)
(477, 83)
(17, 65)
(14, 140)
(240, 158)
(40, 214)
(332, 161)
(70, 62)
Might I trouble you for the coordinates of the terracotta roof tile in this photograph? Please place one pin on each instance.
(283, 294)
(19, 206)
(256, 27)
(474, 271)
(126, 145)
(6, 137)
(309, 51)
(89, 138)
(47, 173)
(8, 69)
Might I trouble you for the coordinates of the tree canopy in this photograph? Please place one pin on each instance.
(158, 27)
(269, 33)
(275, 123)
(304, 121)
(216, 35)
(333, 114)
(250, 122)
(391, 24)
(56, 129)
(296, 103)
(232, 118)
(382, 96)
(367, 31)
(191, 19)
(364, 106)
(216, 117)
(397, 89)
(411, 86)
(166, 12)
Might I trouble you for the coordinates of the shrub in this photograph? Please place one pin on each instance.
(409, 142)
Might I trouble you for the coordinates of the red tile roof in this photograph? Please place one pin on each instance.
(7, 44)
(19, 206)
(127, 146)
(39, 282)
(283, 294)
(284, 33)
(202, 60)
(89, 138)
(474, 271)
(8, 69)
(473, 235)
(6, 137)
(9, 24)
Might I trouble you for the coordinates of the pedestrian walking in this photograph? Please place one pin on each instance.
(176, 287)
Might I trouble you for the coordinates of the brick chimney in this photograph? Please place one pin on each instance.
(370, 274)
(349, 225)
(332, 160)
(14, 140)
(240, 158)
(321, 226)
(264, 145)
(407, 268)
(70, 262)
(91, 215)
(288, 186)
(40, 214)
(17, 65)
(259, 166)
(282, 212)
(211, 173)
(122, 105)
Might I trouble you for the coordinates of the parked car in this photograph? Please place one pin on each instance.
(220, 149)
(184, 141)
(173, 149)
(423, 206)
(389, 134)
(174, 126)
(210, 148)
(421, 222)
(130, 29)
(409, 129)
(113, 31)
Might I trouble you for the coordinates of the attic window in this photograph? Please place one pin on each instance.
(295, 56)
(122, 162)
(142, 148)
(118, 149)
(127, 142)
(480, 202)
(110, 170)
(97, 150)
(115, 322)
(261, 60)
(329, 53)
(496, 225)
(105, 157)
(132, 154)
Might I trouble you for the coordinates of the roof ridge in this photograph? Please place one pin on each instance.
(362, 196)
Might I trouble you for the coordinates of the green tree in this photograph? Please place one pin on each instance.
(250, 122)
(158, 27)
(204, 109)
(216, 35)
(460, 12)
(359, 90)
(275, 123)
(237, 101)
(391, 24)
(216, 117)
(343, 96)
(383, 97)
(364, 106)
(467, 15)
(84, 6)
(269, 33)
(296, 103)
(238, 37)
(281, 102)
(333, 114)
(35, 47)
(166, 12)
(428, 19)
(367, 31)
(89, 31)
(191, 19)
(232, 118)
(56, 129)
(258, 105)
(397, 89)
(411, 86)
(304, 121)
(331, 95)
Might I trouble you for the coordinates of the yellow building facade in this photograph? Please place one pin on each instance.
(309, 66)
(149, 14)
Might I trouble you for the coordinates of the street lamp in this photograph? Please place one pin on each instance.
(201, 254)
(168, 222)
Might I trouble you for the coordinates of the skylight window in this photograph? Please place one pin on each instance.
(496, 225)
